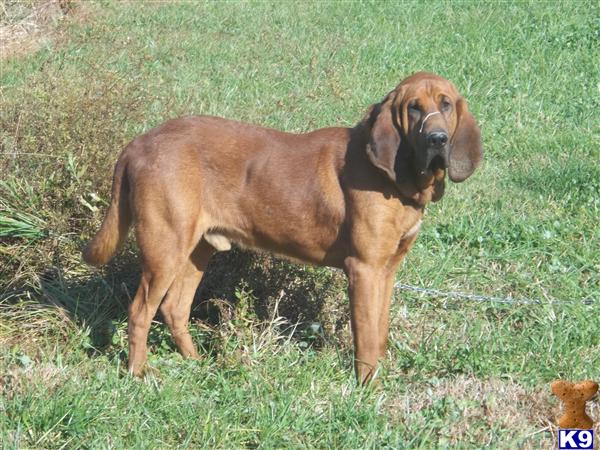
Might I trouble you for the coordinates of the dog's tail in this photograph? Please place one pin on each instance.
(116, 223)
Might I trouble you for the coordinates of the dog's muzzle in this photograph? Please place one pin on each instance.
(437, 139)
(435, 149)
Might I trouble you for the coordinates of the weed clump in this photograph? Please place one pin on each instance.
(313, 298)
(61, 138)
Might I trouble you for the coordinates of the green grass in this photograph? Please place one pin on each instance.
(459, 374)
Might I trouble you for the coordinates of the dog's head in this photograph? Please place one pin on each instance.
(422, 128)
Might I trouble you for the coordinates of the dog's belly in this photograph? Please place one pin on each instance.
(296, 224)
(309, 243)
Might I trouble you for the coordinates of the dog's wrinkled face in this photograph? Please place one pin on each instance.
(422, 128)
(428, 116)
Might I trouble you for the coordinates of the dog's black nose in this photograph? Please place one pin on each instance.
(437, 138)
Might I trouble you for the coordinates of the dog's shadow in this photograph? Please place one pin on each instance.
(270, 287)
(297, 293)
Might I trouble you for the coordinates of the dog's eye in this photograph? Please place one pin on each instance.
(413, 108)
(446, 105)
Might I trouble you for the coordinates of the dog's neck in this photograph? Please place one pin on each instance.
(418, 188)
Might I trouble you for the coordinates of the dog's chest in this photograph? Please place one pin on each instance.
(408, 225)
(413, 231)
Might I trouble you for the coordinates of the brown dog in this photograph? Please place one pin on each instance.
(351, 198)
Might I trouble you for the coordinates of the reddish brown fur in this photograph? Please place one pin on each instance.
(347, 198)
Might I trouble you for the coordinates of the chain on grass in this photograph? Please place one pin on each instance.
(484, 298)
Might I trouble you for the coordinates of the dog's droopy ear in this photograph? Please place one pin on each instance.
(384, 139)
(465, 146)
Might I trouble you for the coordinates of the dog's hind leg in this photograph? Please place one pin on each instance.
(154, 284)
(164, 258)
(176, 307)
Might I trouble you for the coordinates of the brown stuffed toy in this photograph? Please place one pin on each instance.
(574, 396)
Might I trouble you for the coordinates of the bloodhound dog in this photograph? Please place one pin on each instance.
(351, 198)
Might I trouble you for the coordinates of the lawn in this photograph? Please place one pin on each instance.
(277, 373)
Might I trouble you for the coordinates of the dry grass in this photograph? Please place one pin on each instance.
(483, 404)
(26, 26)
(299, 293)
(18, 379)
(39, 323)
(63, 151)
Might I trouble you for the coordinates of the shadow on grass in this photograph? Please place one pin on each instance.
(271, 287)
(96, 301)
(298, 293)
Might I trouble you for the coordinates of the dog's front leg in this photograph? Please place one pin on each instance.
(365, 310)
(387, 288)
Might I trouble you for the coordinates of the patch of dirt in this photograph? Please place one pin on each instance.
(477, 407)
(19, 380)
(27, 25)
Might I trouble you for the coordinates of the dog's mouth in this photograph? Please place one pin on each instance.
(438, 162)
